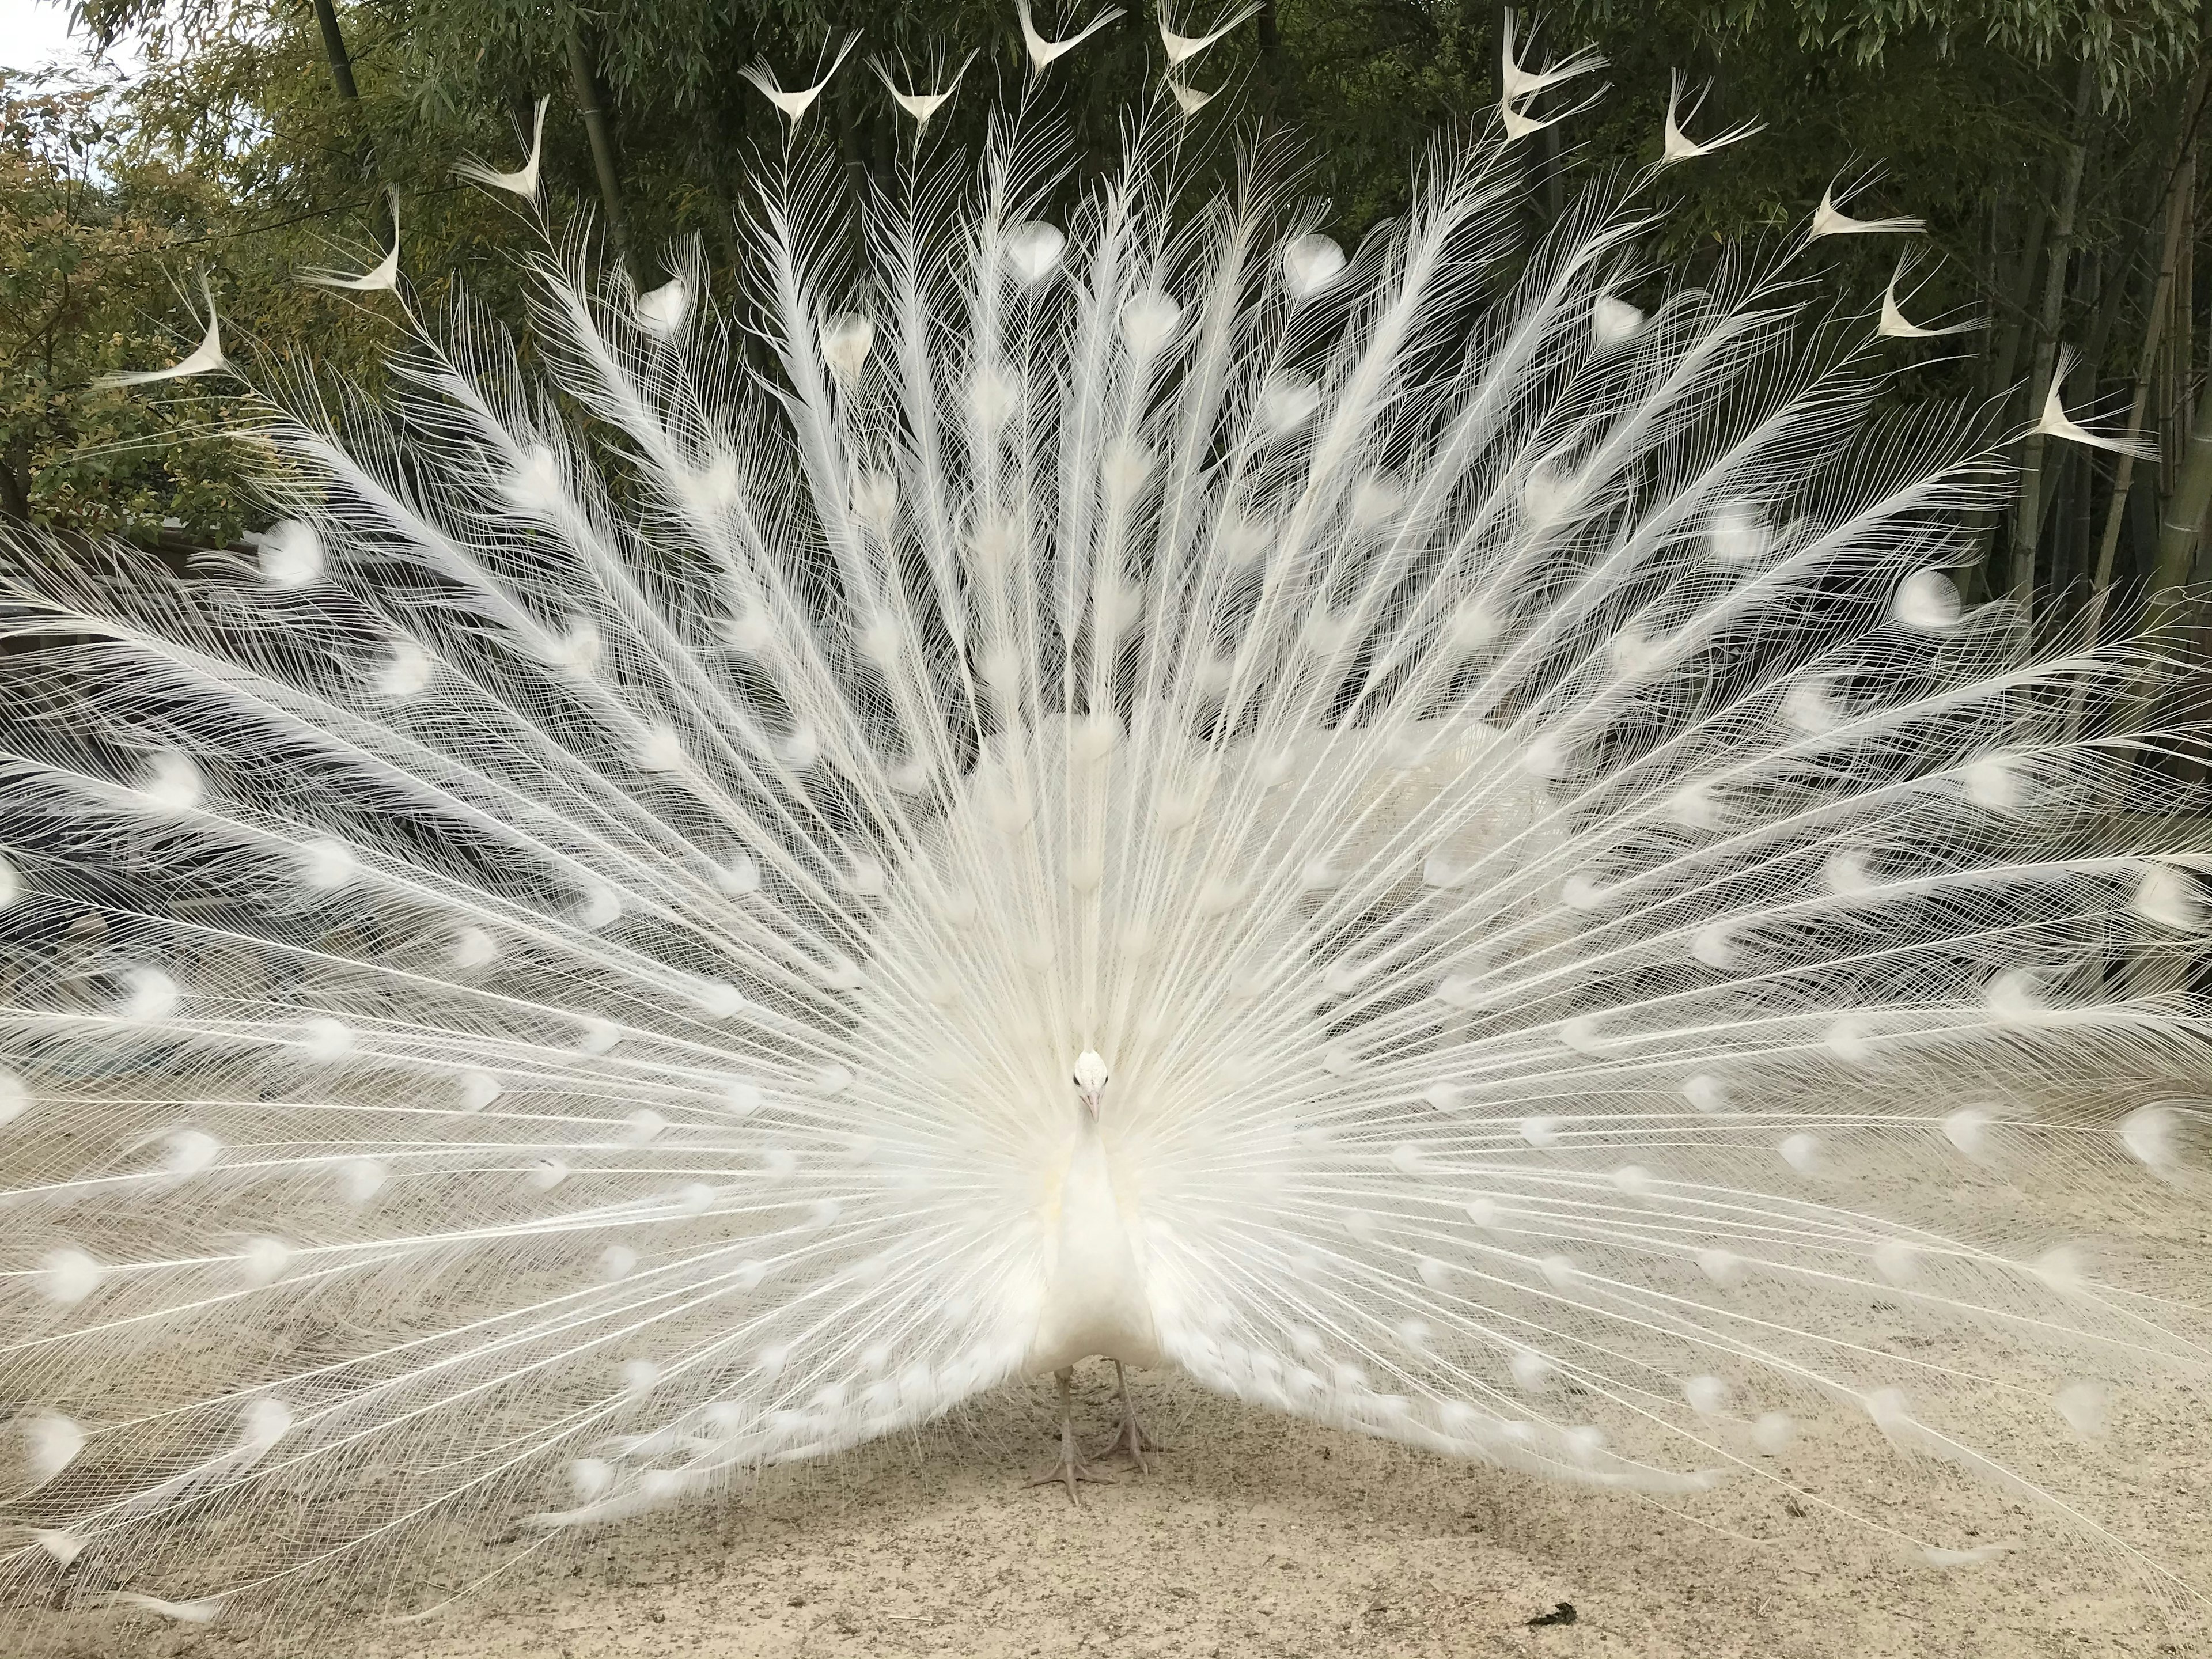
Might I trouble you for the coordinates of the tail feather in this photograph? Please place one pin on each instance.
(556, 992)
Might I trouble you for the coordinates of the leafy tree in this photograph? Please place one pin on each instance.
(2048, 144)
(87, 258)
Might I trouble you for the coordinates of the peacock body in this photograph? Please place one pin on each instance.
(1423, 836)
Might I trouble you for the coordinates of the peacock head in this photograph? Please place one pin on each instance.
(1091, 1079)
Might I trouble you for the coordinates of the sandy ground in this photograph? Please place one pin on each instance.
(1259, 1535)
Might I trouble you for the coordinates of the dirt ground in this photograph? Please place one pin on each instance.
(1259, 1535)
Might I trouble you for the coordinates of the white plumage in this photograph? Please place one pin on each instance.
(207, 358)
(1417, 839)
(523, 181)
(1678, 146)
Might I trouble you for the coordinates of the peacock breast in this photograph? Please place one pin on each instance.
(1096, 1300)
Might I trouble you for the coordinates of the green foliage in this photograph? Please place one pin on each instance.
(87, 260)
(2133, 45)
(235, 152)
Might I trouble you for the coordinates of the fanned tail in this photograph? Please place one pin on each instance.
(555, 990)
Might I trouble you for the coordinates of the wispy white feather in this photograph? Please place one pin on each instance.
(1828, 220)
(382, 278)
(1518, 124)
(1189, 99)
(1518, 82)
(1894, 324)
(523, 181)
(1679, 146)
(1182, 48)
(207, 358)
(665, 310)
(794, 104)
(199, 1612)
(2055, 423)
(922, 105)
(1044, 53)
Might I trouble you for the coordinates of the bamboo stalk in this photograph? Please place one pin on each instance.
(2016, 293)
(2183, 517)
(2181, 192)
(2008, 293)
(2028, 517)
(585, 82)
(2183, 186)
(334, 49)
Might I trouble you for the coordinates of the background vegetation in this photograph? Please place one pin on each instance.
(2052, 145)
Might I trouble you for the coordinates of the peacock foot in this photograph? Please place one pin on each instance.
(1070, 1469)
(1132, 1441)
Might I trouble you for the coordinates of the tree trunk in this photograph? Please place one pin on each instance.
(2070, 476)
(2183, 517)
(1274, 73)
(2027, 518)
(2016, 295)
(2182, 188)
(2177, 529)
(585, 82)
(2009, 294)
(334, 48)
(2185, 336)
(2085, 517)
(14, 488)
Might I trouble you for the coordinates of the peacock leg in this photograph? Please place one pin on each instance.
(1133, 1441)
(1070, 1467)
